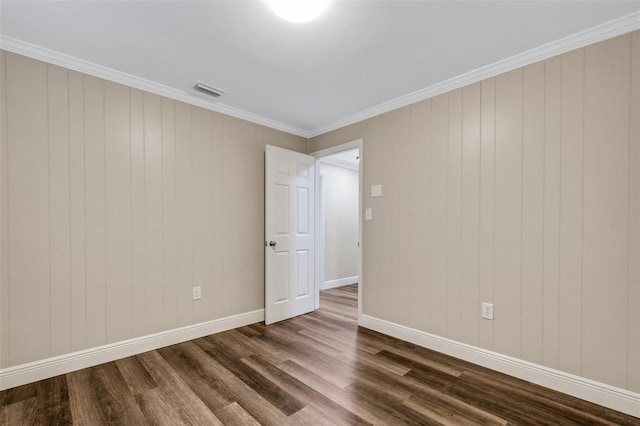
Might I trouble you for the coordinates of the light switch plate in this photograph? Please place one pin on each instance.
(368, 214)
(376, 190)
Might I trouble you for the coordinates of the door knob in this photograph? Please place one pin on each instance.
(272, 244)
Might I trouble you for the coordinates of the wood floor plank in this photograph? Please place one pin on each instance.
(412, 362)
(275, 353)
(439, 414)
(278, 397)
(391, 385)
(195, 371)
(324, 366)
(309, 416)
(53, 398)
(245, 345)
(85, 410)
(177, 393)
(315, 369)
(235, 389)
(235, 415)
(303, 343)
(386, 409)
(312, 379)
(23, 412)
(135, 375)
(577, 407)
(247, 331)
(331, 391)
(157, 408)
(538, 403)
(102, 390)
(337, 341)
(313, 323)
(19, 393)
(487, 399)
(330, 410)
(448, 410)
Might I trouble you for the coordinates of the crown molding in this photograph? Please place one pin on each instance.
(33, 51)
(614, 28)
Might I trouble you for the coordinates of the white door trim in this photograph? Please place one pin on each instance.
(319, 255)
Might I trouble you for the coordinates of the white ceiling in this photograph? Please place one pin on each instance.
(304, 78)
(349, 159)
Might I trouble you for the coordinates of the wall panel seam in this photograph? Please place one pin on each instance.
(429, 224)
(630, 206)
(104, 204)
(446, 239)
(559, 239)
(461, 224)
(131, 220)
(191, 209)
(162, 209)
(581, 313)
(522, 212)
(70, 286)
(143, 142)
(7, 195)
(175, 199)
(480, 204)
(493, 212)
(84, 201)
(544, 199)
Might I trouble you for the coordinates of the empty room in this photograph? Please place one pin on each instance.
(319, 212)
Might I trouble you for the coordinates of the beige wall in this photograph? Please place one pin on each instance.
(114, 203)
(340, 205)
(503, 192)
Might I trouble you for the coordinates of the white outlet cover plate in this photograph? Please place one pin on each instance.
(487, 311)
(197, 293)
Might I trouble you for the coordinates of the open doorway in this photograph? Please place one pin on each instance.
(338, 219)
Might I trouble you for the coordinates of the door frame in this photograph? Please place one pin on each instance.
(319, 243)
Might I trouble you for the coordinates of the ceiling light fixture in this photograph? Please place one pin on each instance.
(298, 10)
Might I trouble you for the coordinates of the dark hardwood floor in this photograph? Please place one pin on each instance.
(316, 369)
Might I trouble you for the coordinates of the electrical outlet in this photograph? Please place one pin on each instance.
(487, 311)
(197, 293)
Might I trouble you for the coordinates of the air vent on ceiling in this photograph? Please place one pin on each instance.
(209, 90)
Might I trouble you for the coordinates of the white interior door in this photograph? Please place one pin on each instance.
(289, 234)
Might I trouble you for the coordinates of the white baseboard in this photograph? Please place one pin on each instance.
(599, 393)
(50, 367)
(339, 282)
